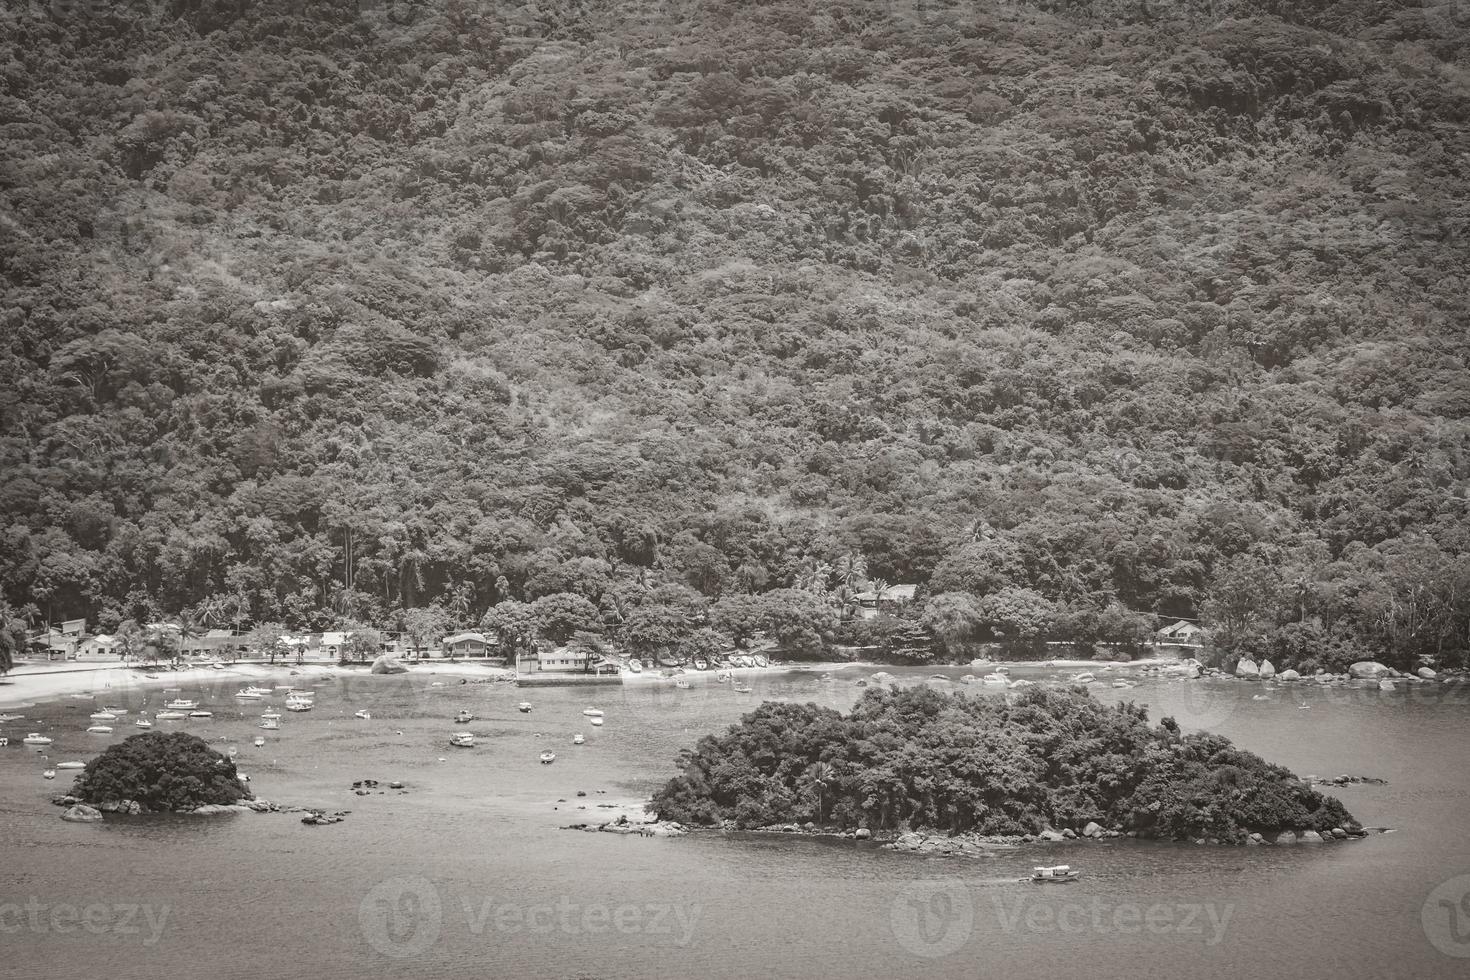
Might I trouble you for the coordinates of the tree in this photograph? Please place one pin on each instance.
(268, 640)
(130, 640)
(818, 775)
(704, 642)
(362, 643)
(559, 615)
(653, 630)
(740, 615)
(424, 624)
(513, 621)
(953, 617)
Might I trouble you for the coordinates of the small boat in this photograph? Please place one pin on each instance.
(99, 730)
(463, 718)
(592, 712)
(170, 715)
(181, 704)
(635, 665)
(151, 677)
(115, 710)
(524, 707)
(142, 723)
(201, 714)
(103, 716)
(462, 740)
(83, 697)
(1085, 678)
(596, 722)
(682, 684)
(1002, 670)
(363, 714)
(577, 739)
(700, 663)
(248, 695)
(1054, 875)
(298, 705)
(996, 678)
(49, 774)
(35, 738)
(938, 677)
(722, 676)
(270, 724)
(547, 758)
(262, 691)
(4, 717)
(760, 661)
(259, 742)
(271, 714)
(71, 765)
(741, 689)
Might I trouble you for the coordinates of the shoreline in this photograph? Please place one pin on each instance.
(23, 688)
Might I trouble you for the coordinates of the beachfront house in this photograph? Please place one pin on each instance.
(470, 644)
(1182, 631)
(563, 660)
(887, 601)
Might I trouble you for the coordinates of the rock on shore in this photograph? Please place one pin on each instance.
(81, 813)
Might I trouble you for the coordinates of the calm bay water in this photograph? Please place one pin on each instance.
(468, 875)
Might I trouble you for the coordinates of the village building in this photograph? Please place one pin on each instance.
(887, 602)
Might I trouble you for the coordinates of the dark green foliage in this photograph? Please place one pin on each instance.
(1064, 305)
(919, 759)
(163, 771)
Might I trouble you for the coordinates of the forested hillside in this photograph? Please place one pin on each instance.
(336, 309)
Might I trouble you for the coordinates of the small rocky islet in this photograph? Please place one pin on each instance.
(935, 772)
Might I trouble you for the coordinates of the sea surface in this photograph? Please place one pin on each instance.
(467, 874)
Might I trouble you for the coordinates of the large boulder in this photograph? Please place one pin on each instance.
(1288, 675)
(1247, 668)
(389, 665)
(1268, 670)
(1427, 673)
(1093, 829)
(1370, 669)
(81, 813)
(1285, 837)
(1311, 837)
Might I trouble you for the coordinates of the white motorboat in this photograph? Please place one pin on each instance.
(170, 715)
(463, 718)
(49, 774)
(592, 712)
(271, 714)
(994, 679)
(181, 704)
(142, 723)
(35, 738)
(71, 765)
(577, 739)
(462, 740)
(742, 689)
(270, 724)
(259, 741)
(524, 707)
(1084, 678)
(201, 714)
(362, 714)
(547, 758)
(596, 721)
(681, 684)
(115, 709)
(635, 665)
(248, 695)
(1056, 874)
(760, 661)
(99, 730)
(264, 692)
(298, 704)
(103, 716)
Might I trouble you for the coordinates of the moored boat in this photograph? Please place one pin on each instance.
(201, 714)
(71, 765)
(363, 714)
(524, 707)
(463, 718)
(103, 716)
(99, 730)
(35, 738)
(181, 704)
(142, 723)
(1054, 875)
(682, 684)
(742, 689)
(462, 740)
(547, 758)
(635, 665)
(49, 774)
(760, 661)
(596, 721)
(170, 715)
(270, 724)
(700, 663)
(258, 742)
(592, 712)
(577, 739)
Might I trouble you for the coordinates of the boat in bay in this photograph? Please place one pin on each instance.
(35, 738)
(547, 758)
(170, 715)
(462, 740)
(181, 704)
(1056, 874)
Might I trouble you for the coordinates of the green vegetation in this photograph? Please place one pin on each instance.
(161, 771)
(619, 314)
(920, 760)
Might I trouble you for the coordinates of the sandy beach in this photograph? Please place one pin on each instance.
(31, 684)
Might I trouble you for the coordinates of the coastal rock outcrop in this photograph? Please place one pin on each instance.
(1369, 669)
(1247, 668)
(1426, 673)
(1268, 670)
(1285, 837)
(1288, 675)
(389, 665)
(81, 813)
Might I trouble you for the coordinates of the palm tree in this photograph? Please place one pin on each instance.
(191, 627)
(819, 774)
